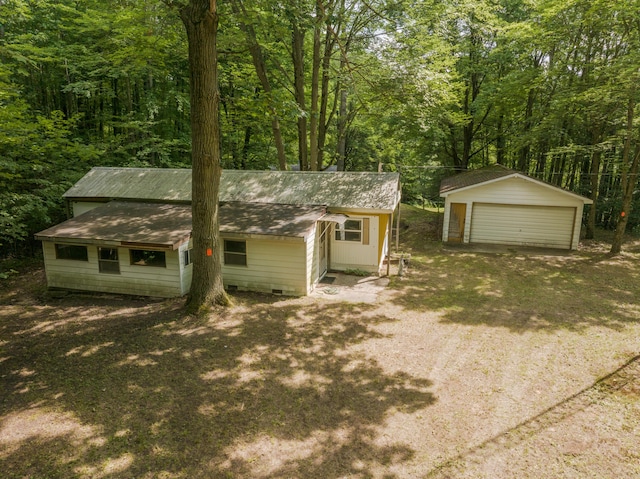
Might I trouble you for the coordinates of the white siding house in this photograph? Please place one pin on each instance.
(120, 247)
(130, 230)
(495, 205)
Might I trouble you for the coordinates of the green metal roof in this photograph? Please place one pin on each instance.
(349, 190)
(157, 184)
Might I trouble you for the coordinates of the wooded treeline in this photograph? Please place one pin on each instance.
(546, 87)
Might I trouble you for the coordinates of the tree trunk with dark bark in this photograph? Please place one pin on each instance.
(594, 179)
(261, 70)
(200, 19)
(315, 90)
(628, 178)
(297, 54)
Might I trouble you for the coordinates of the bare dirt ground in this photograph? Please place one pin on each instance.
(473, 365)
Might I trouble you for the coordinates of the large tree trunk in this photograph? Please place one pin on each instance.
(261, 70)
(200, 19)
(342, 126)
(315, 87)
(324, 100)
(594, 179)
(628, 179)
(297, 54)
(525, 150)
(468, 129)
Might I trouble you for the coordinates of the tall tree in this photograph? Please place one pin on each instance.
(200, 18)
(260, 66)
(629, 173)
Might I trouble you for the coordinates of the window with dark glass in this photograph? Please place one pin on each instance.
(235, 252)
(71, 251)
(108, 260)
(351, 230)
(143, 257)
(187, 257)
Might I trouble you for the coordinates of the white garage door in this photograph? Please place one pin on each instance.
(547, 226)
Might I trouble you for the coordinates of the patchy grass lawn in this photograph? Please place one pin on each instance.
(472, 365)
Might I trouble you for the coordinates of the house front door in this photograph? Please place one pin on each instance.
(322, 252)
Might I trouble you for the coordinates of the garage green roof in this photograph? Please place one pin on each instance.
(348, 190)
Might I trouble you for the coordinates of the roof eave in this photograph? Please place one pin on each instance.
(113, 242)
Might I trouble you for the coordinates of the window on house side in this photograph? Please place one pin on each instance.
(108, 260)
(235, 253)
(143, 257)
(187, 259)
(71, 251)
(351, 230)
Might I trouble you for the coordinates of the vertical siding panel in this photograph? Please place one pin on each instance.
(365, 231)
(280, 265)
(356, 255)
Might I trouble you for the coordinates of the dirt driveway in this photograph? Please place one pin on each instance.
(470, 366)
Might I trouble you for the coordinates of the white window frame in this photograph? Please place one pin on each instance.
(345, 233)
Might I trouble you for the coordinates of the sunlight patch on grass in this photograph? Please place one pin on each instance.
(108, 467)
(162, 352)
(488, 287)
(628, 310)
(300, 379)
(249, 376)
(195, 331)
(193, 353)
(266, 455)
(86, 351)
(136, 360)
(215, 375)
(37, 423)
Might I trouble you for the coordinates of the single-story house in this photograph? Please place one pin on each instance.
(497, 205)
(130, 230)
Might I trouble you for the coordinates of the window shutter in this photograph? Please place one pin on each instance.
(365, 230)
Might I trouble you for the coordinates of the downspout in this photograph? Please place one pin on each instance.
(398, 217)
(389, 240)
(398, 229)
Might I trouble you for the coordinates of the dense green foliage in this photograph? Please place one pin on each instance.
(425, 88)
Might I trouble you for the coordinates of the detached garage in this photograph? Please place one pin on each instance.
(496, 205)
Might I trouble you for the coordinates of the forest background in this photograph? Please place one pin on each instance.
(427, 88)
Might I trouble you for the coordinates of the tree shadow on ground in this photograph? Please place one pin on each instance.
(524, 292)
(111, 387)
(624, 380)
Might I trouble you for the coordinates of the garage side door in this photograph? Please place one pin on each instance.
(546, 226)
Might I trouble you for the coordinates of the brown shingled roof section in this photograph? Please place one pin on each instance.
(169, 225)
(474, 177)
(153, 223)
